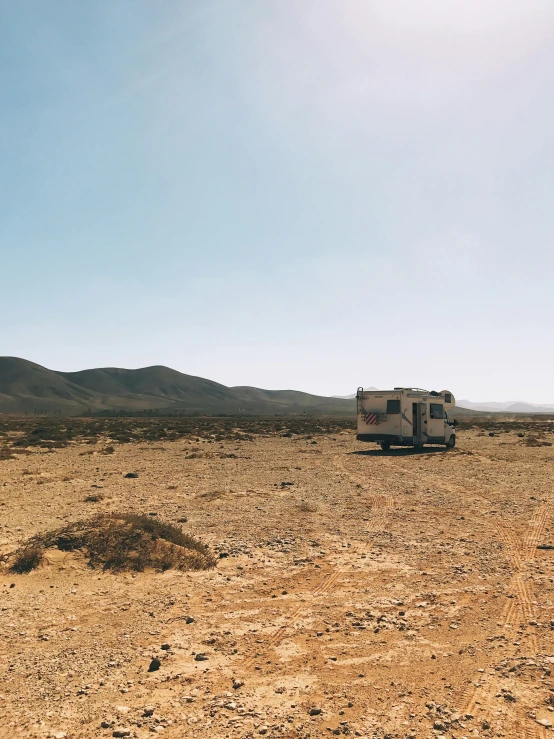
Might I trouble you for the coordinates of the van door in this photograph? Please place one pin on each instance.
(436, 422)
(419, 415)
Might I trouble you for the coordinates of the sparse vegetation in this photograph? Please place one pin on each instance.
(94, 498)
(306, 507)
(27, 559)
(21, 434)
(120, 541)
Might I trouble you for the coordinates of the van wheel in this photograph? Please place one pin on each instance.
(451, 443)
(385, 446)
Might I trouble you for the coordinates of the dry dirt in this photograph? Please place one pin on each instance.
(376, 595)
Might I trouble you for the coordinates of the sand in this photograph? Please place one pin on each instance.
(378, 595)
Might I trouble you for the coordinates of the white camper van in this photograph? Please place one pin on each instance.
(406, 416)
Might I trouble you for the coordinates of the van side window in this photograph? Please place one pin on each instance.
(393, 406)
(436, 410)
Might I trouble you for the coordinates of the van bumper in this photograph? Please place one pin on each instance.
(393, 438)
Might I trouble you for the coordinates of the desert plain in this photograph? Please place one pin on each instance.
(355, 592)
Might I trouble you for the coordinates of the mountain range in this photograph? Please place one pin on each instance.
(26, 387)
(510, 406)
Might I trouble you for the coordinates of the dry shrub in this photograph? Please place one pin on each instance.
(26, 559)
(536, 441)
(211, 495)
(307, 507)
(94, 498)
(127, 541)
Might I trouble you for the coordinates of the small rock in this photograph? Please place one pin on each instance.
(315, 711)
(263, 730)
(130, 476)
(166, 646)
(60, 735)
(542, 721)
(106, 724)
(121, 732)
(237, 684)
(222, 555)
(148, 710)
(200, 657)
(155, 664)
(189, 620)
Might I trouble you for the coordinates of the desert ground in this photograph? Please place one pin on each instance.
(355, 592)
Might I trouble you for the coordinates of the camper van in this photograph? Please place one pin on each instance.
(406, 416)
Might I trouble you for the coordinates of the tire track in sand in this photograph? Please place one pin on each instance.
(521, 608)
(381, 506)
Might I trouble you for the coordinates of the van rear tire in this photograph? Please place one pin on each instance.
(451, 443)
(385, 445)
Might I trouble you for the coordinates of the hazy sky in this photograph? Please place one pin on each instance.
(306, 194)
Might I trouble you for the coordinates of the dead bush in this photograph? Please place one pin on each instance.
(27, 559)
(94, 498)
(536, 441)
(126, 541)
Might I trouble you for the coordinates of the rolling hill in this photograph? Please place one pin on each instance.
(26, 387)
(510, 406)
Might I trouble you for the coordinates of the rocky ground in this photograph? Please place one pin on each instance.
(356, 592)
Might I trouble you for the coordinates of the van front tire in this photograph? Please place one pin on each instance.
(385, 445)
(451, 443)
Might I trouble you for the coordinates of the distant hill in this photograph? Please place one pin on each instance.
(510, 406)
(26, 387)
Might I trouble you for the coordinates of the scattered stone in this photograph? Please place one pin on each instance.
(130, 476)
(121, 732)
(200, 657)
(315, 711)
(148, 710)
(155, 664)
(237, 684)
(189, 620)
(166, 646)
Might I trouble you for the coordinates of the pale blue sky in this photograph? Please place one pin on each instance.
(306, 194)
